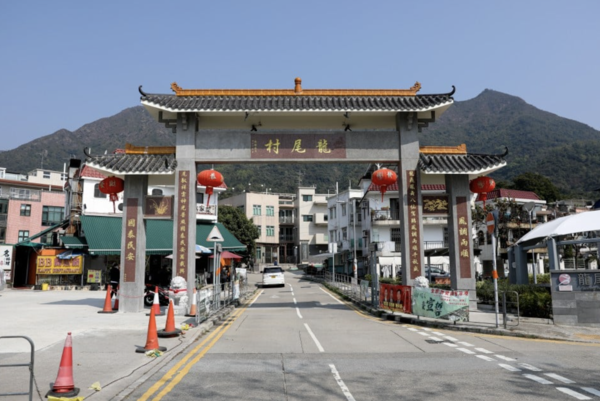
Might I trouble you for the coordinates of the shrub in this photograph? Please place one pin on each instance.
(534, 301)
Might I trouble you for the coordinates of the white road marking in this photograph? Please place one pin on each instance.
(435, 338)
(436, 333)
(530, 367)
(450, 344)
(573, 393)
(337, 300)
(298, 312)
(295, 300)
(508, 367)
(314, 338)
(559, 378)
(412, 329)
(451, 338)
(591, 391)
(293, 293)
(486, 358)
(426, 329)
(466, 351)
(538, 379)
(483, 351)
(465, 344)
(341, 383)
(259, 294)
(506, 358)
(423, 334)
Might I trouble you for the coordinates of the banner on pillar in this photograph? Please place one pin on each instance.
(441, 304)
(131, 234)
(464, 245)
(414, 228)
(180, 247)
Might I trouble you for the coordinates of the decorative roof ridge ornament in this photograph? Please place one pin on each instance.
(142, 92)
(149, 150)
(440, 94)
(497, 155)
(444, 150)
(297, 91)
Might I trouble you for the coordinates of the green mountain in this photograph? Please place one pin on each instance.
(566, 151)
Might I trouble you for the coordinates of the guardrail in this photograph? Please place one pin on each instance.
(210, 299)
(30, 365)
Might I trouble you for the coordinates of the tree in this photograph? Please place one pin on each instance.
(539, 184)
(240, 226)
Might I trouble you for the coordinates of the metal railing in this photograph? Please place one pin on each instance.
(29, 365)
(211, 299)
(358, 290)
(505, 315)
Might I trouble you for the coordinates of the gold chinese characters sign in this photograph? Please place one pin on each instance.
(158, 206)
(131, 228)
(180, 247)
(414, 231)
(298, 146)
(464, 250)
(435, 204)
(54, 265)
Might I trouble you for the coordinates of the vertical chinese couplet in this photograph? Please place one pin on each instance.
(180, 247)
(131, 231)
(462, 224)
(414, 230)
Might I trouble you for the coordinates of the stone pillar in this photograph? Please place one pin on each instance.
(133, 245)
(409, 194)
(184, 219)
(520, 275)
(460, 238)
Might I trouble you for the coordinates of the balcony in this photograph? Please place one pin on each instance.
(321, 218)
(286, 219)
(435, 244)
(384, 218)
(286, 238)
(321, 239)
(443, 221)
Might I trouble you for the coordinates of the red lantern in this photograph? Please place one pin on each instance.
(112, 186)
(210, 179)
(481, 186)
(383, 178)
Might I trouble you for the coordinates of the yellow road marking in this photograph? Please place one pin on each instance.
(214, 336)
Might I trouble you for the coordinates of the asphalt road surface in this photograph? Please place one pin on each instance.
(301, 343)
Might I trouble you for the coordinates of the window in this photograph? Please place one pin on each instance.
(46, 174)
(18, 193)
(2, 235)
(307, 217)
(3, 206)
(25, 210)
(97, 193)
(344, 233)
(259, 231)
(270, 231)
(63, 176)
(52, 215)
(256, 210)
(343, 209)
(23, 235)
(396, 236)
(307, 198)
(270, 210)
(157, 191)
(332, 213)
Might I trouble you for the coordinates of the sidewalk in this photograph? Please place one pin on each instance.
(104, 345)
(484, 321)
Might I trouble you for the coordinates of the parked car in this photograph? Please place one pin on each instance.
(273, 275)
(432, 273)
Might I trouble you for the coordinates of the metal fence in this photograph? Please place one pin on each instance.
(211, 299)
(29, 365)
(359, 290)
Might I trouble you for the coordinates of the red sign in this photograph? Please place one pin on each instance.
(491, 224)
(395, 297)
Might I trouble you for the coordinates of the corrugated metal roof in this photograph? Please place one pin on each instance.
(459, 164)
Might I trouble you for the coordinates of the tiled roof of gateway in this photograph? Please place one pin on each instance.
(468, 163)
(128, 163)
(297, 99)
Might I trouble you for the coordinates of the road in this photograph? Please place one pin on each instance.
(301, 343)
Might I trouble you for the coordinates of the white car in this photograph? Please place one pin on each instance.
(273, 275)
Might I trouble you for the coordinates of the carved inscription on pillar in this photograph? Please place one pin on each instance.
(298, 146)
(462, 223)
(180, 247)
(131, 230)
(414, 231)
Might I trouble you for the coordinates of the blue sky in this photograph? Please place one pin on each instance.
(64, 64)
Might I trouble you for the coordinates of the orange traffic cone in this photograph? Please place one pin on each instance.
(64, 385)
(193, 308)
(170, 330)
(152, 339)
(156, 304)
(116, 305)
(107, 302)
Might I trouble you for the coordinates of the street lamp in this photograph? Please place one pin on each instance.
(530, 207)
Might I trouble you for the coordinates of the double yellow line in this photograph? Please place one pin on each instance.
(175, 375)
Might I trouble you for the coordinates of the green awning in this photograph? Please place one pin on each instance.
(73, 242)
(103, 235)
